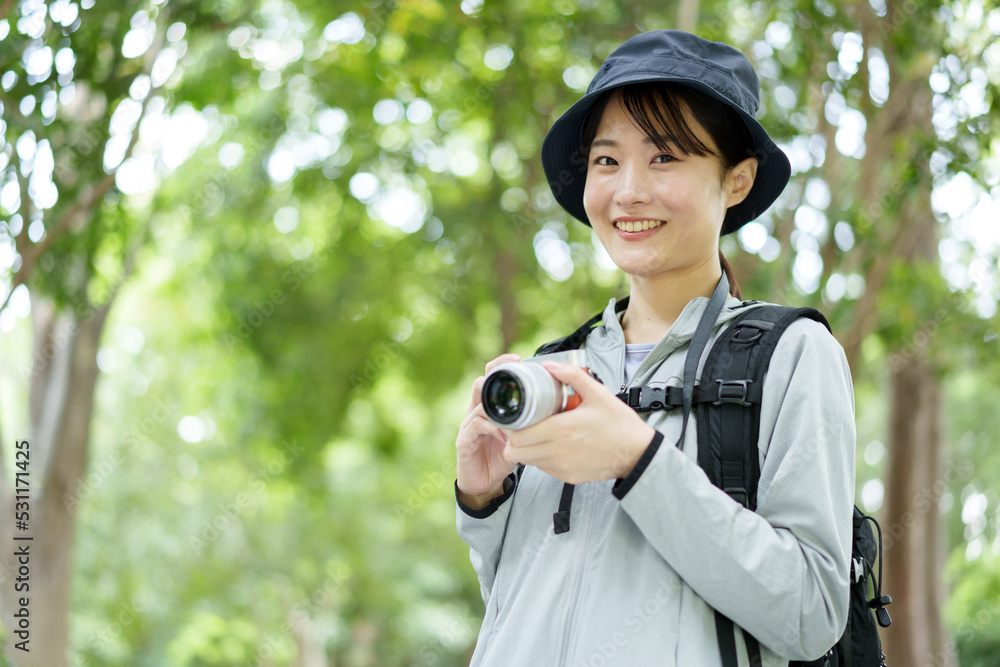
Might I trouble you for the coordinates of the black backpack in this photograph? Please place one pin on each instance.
(727, 403)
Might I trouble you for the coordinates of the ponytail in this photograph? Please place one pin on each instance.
(734, 286)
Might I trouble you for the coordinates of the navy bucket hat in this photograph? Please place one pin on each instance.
(713, 68)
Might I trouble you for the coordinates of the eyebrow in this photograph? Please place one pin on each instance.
(611, 143)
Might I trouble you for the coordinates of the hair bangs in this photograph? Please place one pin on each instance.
(659, 115)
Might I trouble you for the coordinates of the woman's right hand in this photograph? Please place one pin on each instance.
(481, 466)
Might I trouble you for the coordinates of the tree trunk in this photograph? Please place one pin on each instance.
(687, 15)
(63, 376)
(911, 523)
(505, 266)
(914, 552)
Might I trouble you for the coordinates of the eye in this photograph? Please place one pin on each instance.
(663, 158)
(605, 161)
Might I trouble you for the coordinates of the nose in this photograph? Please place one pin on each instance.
(633, 185)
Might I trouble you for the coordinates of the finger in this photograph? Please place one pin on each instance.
(511, 455)
(542, 433)
(575, 377)
(477, 394)
(527, 456)
(488, 426)
(502, 359)
(477, 423)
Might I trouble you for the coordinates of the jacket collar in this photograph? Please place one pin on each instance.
(609, 334)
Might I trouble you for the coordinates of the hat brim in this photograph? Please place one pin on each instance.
(565, 164)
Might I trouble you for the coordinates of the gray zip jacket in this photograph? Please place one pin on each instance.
(635, 580)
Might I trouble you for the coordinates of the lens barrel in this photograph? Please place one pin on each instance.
(503, 397)
(518, 394)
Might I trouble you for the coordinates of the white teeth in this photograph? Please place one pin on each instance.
(640, 226)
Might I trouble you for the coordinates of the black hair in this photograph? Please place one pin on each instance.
(657, 108)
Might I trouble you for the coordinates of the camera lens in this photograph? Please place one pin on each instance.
(503, 397)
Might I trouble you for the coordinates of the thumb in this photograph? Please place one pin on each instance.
(574, 376)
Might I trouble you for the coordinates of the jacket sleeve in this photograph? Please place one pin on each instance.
(780, 573)
(483, 530)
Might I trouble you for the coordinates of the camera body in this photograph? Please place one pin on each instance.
(519, 394)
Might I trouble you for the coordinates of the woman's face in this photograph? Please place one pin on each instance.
(657, 212)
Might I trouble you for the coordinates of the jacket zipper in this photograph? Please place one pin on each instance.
(586, 543)
(621, 367)
(579, 582)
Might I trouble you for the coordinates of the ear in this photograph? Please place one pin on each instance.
(739, 181)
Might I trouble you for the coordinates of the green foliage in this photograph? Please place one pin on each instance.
(272, 465)
(975, 610)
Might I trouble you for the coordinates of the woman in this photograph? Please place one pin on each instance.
(660, 157)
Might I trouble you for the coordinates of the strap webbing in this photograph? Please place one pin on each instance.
(697, 346)
(732, 431)
(725, 633)
(727, 640)
(575, 340)
(709, 318)
(645, 399)
(560, 520)
(753, 649)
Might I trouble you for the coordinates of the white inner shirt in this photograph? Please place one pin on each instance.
(634, 355)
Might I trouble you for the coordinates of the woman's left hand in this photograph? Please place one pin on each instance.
(602, 438)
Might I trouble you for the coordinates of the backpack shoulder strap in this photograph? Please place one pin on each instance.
(728, 428)
(575, 340)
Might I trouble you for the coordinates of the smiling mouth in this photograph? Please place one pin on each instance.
(637, 226)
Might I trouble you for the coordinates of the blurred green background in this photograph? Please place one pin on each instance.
(253, 255)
